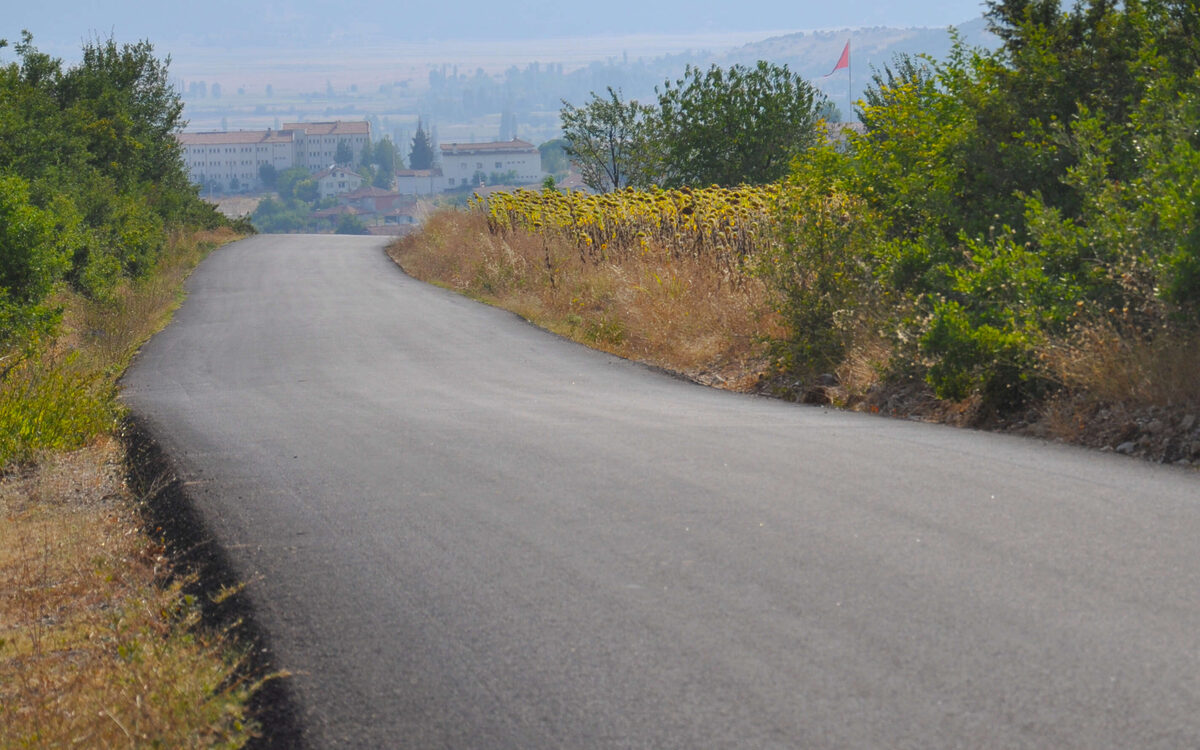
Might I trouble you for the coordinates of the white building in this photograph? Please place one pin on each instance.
(221, 158)
(218, 159)
(337, 180)
(419, 181)
(317, 148)
(464, 163)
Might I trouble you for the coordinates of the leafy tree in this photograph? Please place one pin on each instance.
(421, 154)
(350, 224)
(287, 180)
(91, 177)
(387, 159)
(281, 216)
(32, 259)
(610, 140)
(267, 175)
(344, 154)
(741, 125)
(306, 190)
(122, 103)
(554, 156)
(1018, 197)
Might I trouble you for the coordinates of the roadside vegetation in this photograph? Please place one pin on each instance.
(655, 276)
(1010, 242)
(99, 645)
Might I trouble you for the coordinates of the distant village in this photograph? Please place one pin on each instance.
(246, 161)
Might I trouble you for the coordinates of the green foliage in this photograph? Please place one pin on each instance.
(344, 154)
(421, 156)
(281, 216)
(350, 224)
(387, 156)
(306, 190)
(286, 181)
(736, 126)
(610, 141)
(823, 272)
(33, 258)
(50, 408)
(91, 178)
(720, 127)
(1018, 196)
(554, 157)
(267, 175)
(384, 158)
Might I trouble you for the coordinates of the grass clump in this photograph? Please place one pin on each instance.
(95, 651)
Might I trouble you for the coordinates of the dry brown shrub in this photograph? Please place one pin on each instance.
(681, 314)
(1114, 368)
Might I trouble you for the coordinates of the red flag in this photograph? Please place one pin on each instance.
(843, 61)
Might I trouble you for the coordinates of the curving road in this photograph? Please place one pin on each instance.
(462, 532)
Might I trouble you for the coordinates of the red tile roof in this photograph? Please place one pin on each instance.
(368, 191)
(237, 137)
(339, 127)
(491, 147)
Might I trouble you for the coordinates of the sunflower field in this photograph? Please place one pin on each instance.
(721, 227)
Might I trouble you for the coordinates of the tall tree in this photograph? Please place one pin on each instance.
(386, 157)
(610, 140)
(421, 154)
(741, 125)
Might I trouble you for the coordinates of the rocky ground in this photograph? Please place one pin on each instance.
(1162, 434)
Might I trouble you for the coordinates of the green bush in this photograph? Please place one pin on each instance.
(46, 406)
(823, 271)
(1013, 199)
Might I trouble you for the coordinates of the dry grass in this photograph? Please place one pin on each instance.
(680, 314)
(94, 650)
(1114, 368)
(685, 316)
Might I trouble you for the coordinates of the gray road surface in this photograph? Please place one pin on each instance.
(462, 532)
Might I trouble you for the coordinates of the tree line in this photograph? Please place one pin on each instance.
(1011, 218)
(91, 179)
(743, 125)
(1005, 219)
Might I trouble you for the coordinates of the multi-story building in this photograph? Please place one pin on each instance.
(317, 148)
(468, 163)
(229, 160)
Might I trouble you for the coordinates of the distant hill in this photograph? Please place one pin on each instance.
(814, 54)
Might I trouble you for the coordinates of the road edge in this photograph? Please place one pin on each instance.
(170, 514)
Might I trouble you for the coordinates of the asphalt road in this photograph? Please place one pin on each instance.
(462, 532)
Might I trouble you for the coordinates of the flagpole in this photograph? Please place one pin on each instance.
(849, 83)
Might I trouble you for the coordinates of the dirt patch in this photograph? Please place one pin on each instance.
(237, 206)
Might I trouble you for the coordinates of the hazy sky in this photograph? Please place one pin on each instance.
(237, 23)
